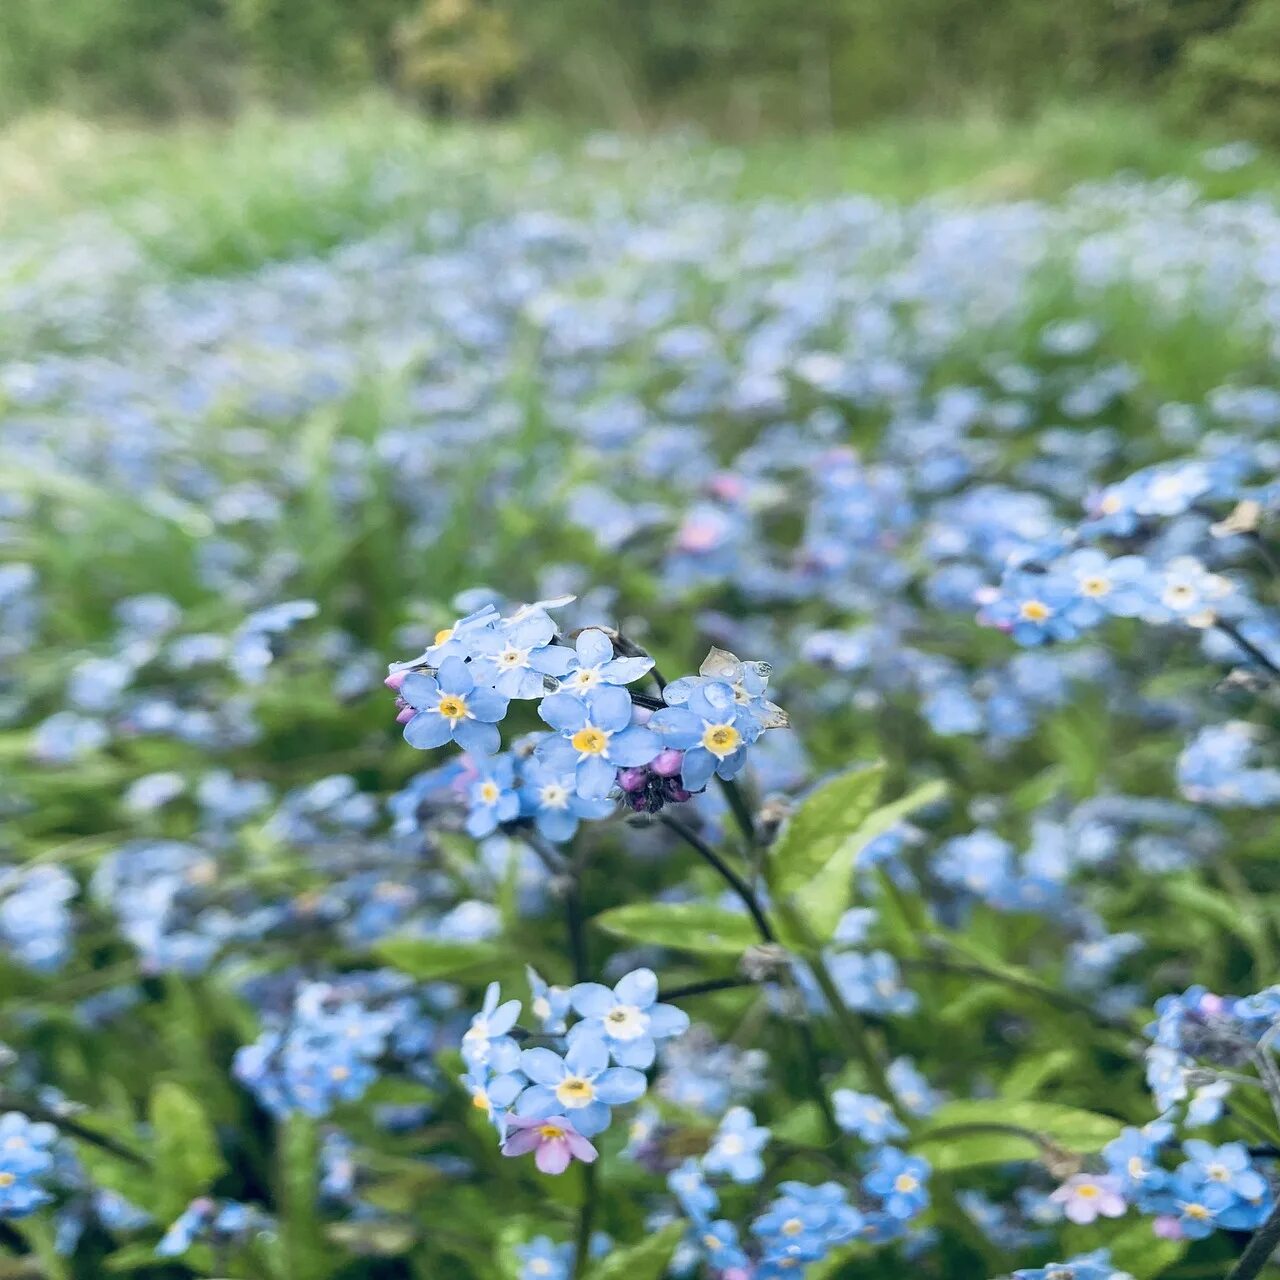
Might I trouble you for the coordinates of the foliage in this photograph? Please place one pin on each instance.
(985, 487)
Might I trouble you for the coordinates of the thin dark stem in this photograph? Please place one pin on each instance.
(702, 988)
(1230, 630)
(726, 873)
(816, 1086)
(1062, 999)
(1258, 1251)
(33, 1111)
(550, 857)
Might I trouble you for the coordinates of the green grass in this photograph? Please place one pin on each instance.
(204, 198)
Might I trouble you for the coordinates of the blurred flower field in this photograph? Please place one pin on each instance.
(935, 932)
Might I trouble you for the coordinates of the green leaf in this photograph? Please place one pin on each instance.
(1143, 1254)
(644, 1261)
(832, 813)
(829, 891)
(184, 1148)
(684, 926)
(955, 1136)
(430, 958)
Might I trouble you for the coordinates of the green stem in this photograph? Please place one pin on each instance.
(1258, 1251)
(740, 809)
(853, 1034)
(726, 873)
(586, 1219)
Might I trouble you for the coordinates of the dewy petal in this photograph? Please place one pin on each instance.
(427, 730)
(487, 704)
(610, 707)
(595, 777)
(591, 999)
(477, 736)
(419, 689)
(619, 1085)
(679, 727)
(634, 746)
(542, 1066)
(639, 987)
(553, 1156)
(563, 711)
(454, 676)
(625, 670)
(554, 660)
(594, 647)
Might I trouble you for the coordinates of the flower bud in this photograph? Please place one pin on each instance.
(667, 763)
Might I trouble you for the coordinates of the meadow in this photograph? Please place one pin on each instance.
(798, 618)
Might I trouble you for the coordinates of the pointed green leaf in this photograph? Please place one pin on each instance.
(184, 1148)
(644, 1261)
(430, 958)
(829, 892)
(830, 815)
(684, 926)
(979, 1131)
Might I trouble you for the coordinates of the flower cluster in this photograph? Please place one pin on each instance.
(606, 740)
(552, 1101)
(26, 1158)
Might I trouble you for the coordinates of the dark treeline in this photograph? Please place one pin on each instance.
(732, 64)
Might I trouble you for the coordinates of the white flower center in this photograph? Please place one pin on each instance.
(626, 1022)
(554, 796)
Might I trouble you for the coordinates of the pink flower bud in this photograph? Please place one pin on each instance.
(403, 717)
(395, 679)
(631, 779)
(667, 763)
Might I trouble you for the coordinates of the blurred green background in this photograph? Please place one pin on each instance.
(741, 67)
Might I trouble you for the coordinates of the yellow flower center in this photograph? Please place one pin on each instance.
(574, 1091)
(480, 1100)
(1219, 1173)
(590, 741)
(339, 1072)
(905, 1184)
(1136, 1168)
(446, 633)
(550, 1132)
(490, 791)
(712, 1243)
(1035, 610)
(792, 1227)
(453, 706)
(540, 1267)
(1095, 586)
(1196, 1211)
(1110, 504)
(7, 1179)
(1087, 1191)
(721, 739)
